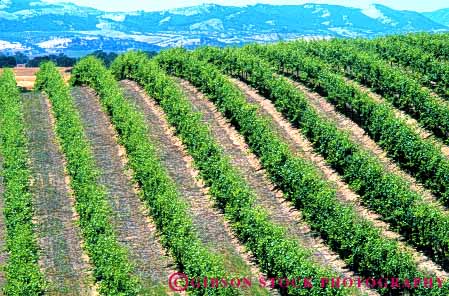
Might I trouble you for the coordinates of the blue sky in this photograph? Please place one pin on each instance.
(154, 5)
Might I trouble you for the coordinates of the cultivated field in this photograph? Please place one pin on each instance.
(297, 168)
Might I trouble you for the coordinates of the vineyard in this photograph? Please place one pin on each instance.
(295, 168)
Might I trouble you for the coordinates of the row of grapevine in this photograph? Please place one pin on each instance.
(22, 270)
(424, 225)
(394, 84)
(354, 238)
(167, 208)
(277, 255)
(433, 73)
(437, 44)
(420, 157)
(112, 269)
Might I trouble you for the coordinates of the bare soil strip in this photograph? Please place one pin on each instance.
(212, 228)
(132, 224)
(299, 144)
(3, 253)
(436, 96)
(425, 134)
(62, 259)
(280, 211)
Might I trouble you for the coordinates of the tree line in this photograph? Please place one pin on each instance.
(61, 60)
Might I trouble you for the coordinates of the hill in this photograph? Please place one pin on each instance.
(37, 27)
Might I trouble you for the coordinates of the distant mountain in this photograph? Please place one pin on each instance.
(440, 16)
(38, 27)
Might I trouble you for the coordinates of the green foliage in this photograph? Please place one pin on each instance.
(60, 60)
(106, 57)
(422, 224)
(7, 61)
(168, 209)
(426, 68)
(277, 255)
(112, 270)
(420, 157)
(355, 239)
(22, 270)
(435, 44)
(397, 86)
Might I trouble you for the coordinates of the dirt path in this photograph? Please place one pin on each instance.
(62, 259)
(3, 253)
(133, 227)
(435, 96)
(212, 228)
(299, 144)
(411, 122)
(280, 211)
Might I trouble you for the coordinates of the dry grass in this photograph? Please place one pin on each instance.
(27, 76)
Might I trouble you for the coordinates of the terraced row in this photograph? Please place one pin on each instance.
(379, 189)
(62, 260)
(112, 269)
(22, 273)
(423, 65)
(397, 86)
(135, 186)
(232, 104)
(266, 240)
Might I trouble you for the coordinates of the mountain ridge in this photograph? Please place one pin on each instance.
(37, 27)
(440, 16)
